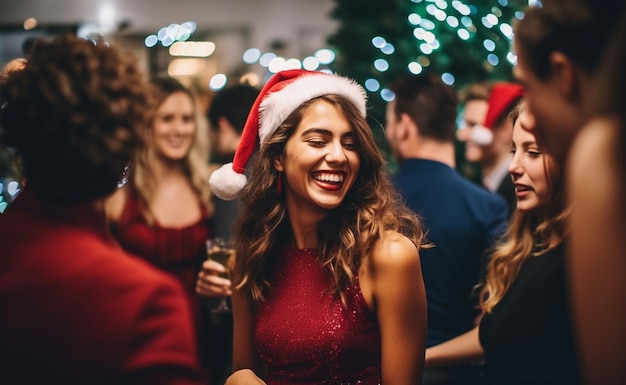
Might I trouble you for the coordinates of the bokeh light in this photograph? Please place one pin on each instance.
(372, 85)
(387, 94)
(251, 55)
(218, 81)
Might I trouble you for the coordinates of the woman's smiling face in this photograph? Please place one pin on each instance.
(174, 127)
(320, 162)
(531, 166)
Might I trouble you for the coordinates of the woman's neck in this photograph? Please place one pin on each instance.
(304, 230)
(167, 168)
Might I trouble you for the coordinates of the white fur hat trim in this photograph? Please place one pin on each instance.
(277, 106)
(481, 135)
(226, 183)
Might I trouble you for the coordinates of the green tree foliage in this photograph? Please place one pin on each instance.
(468, 40)
(441, 36)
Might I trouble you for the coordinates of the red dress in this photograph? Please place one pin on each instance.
(76, 309)
(178, 251)
(306, 336)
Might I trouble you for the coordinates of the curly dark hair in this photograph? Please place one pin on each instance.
(74, 114)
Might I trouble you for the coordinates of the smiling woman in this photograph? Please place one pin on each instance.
(328, 284)
(525, 334)
(532, 169)
(319, 165)
(174, 127)
(163, 213)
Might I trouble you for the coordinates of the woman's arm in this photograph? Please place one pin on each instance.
(461, 349)
(246, 363)
(400, 301)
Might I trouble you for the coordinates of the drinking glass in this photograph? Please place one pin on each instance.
(220, 250)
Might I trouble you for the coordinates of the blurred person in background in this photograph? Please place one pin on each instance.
(163, 212)
(227, 115)
(596, 184)
(76, 309)
(474, 102)
(559, 47)
(488, 141)
(525, 335)
(463, 220)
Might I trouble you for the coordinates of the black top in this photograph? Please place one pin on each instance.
(528, 337)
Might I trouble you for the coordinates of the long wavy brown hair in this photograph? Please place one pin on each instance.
(346, 236)
(529, 233)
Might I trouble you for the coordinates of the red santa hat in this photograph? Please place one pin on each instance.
(282, 94)
(502, 97)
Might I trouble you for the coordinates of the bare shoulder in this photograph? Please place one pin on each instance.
(114, 203)
(597, 134)
(391, 268)
(394, 251)
(591, 161)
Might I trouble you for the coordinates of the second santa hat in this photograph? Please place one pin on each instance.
(502, 97)
(282, 94)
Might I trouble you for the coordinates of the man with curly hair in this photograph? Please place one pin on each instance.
(76, 309)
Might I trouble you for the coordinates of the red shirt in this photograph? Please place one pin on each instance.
(179, 251)
(76, 309)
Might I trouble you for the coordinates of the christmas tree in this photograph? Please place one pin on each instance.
(463, 41)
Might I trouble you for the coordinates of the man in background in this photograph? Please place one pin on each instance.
(487, 133)
(227, 115)
(462, 219)
(75, 308)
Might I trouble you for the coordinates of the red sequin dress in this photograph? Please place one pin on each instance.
(306, 336)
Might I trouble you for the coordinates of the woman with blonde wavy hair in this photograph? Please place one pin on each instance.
(328, 286)
(163, 212)
(525, 333)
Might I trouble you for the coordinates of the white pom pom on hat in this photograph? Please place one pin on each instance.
(226, 183)
(280, 96)
(481, 135)
(502, 96)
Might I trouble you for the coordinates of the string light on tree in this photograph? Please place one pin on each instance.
(466, 41)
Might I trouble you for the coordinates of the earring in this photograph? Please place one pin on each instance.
(279, 184)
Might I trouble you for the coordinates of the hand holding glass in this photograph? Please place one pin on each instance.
(220, 250)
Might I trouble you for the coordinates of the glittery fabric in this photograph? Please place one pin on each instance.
(306, 336)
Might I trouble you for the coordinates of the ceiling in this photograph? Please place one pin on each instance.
(291, 22)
